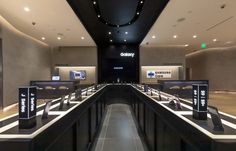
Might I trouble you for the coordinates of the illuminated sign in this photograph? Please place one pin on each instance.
(127, 54)
(118, 68)
(159, 74)
(27, 106)
(200, 99)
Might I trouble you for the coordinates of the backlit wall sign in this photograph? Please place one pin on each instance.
(200, 99)
(159, 74)
(27, 107)
(127, 54)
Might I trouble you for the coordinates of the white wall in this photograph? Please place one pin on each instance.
(162, 56)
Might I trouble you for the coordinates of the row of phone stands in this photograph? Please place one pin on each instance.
(66, 101)
(174, 102)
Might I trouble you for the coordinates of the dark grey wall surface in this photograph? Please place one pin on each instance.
(218, 65)
(24, 59)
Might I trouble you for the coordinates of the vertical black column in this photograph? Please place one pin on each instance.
(1, 76)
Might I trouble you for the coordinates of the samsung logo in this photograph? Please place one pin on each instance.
(127, 54)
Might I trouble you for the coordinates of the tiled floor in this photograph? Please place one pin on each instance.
(119, 132)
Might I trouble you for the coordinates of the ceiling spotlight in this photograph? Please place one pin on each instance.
(137, 13)
(214, 40)
(26, 9)
(129, 23)
(141, 2)
(43, 38)
(99, 16)
(126, 33)
(175, 36)
(59, 38)
(94, 3)
(109, 33)
(153, 37)
(82, 38)
(110, 40)
(124, 40)
(194, 36)
(186, 45)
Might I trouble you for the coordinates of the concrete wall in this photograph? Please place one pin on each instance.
(218, 65)
(24, 59)
(64, 73)
(174, 73)
(162, 56)
(76, 58)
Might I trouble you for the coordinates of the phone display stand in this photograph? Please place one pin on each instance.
(46, 109)
(215, 117)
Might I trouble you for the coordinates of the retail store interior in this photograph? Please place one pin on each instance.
(107, 75)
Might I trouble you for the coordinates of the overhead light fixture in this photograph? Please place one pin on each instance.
(43, 38)
(99, 16)
(214, 40)
(94, 2)
(175, 36)
(186, 45)
(137, 13)
(126, 33)
(109, 33)
(141, 2)
(124, 40)
(111, 40)
(59, 38)
(26, 9)
(153, 37)
(82, 38)
(194, 36)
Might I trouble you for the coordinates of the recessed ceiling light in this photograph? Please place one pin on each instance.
(111, 40)
(82, 38)
(175, 36)
(141, 2)
(109, 33)
(118, 25)
(186, 45)
(94, 2)
(153, 37)
(126, 32)
(214, 40)
(99, 16)
(26, 9)
(194, 36)
(137, 13)
(124, 40)
(59, 38)
(43, 38)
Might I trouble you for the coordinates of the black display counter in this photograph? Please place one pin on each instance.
(162, 127)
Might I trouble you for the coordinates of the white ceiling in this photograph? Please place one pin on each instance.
(51, 17)
(200, 15)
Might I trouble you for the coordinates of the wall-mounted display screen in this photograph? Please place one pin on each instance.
(56, 78)
(78, 75)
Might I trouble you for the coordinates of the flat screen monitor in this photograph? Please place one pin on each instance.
(56, 78)
(78, 75)
(216, 120)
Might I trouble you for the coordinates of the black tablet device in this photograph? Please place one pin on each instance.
(216, 120)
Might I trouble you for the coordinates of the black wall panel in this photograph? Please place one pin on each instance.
(109, 57)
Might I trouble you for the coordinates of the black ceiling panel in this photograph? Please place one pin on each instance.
(118, 12)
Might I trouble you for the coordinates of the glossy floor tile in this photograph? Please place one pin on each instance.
(119, 132)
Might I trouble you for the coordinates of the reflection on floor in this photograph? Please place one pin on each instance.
(119, 132)
(225, 102)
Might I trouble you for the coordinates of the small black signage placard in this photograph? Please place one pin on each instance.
(27, 107)
(200, 101)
